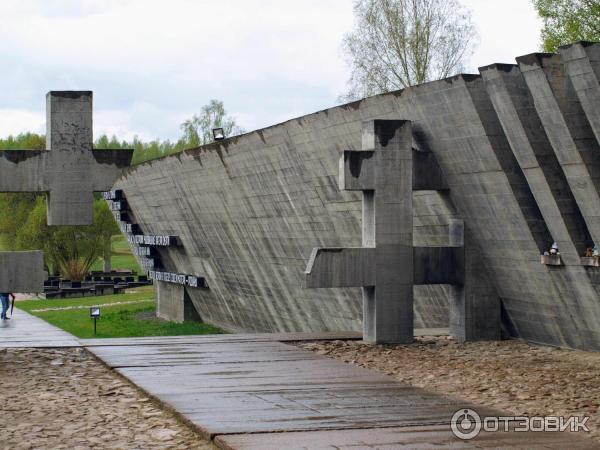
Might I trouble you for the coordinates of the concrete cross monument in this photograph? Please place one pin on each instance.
(387, 266)
(70, 170)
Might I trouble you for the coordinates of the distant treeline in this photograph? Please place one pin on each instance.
(143, 151)
(196, 131)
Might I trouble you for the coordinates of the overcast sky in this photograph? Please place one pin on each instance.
(152, 64)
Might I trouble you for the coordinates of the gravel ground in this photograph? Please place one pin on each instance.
(510, 375)
(65, 399)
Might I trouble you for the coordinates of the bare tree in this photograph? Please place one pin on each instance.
(399, 43)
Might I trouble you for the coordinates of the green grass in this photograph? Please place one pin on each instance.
(121, 258)
(116, 320)
(132, 320)
(125, 262)
(144, 293)
(120, 245)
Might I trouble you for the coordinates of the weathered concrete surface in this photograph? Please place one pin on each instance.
(169, 301)
(582, 64)
(474, 306)
(70, 170)
(22, 272)
(173, 303)
(249, 210)
(568, 131)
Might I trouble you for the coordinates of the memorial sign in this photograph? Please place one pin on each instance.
(177, 278)
(144, 247)
(154, 240)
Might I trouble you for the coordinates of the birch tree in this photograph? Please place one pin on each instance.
(399, 43)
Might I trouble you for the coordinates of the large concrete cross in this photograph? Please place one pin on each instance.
(387, 266)
(70, 170)
(383, 265)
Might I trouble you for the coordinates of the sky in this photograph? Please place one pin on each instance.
(153, 63)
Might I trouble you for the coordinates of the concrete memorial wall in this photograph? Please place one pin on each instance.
(519, 150)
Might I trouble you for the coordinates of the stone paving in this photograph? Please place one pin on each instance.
(25, 330)
(66, 399)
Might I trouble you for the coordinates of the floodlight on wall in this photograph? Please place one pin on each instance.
(218, 134)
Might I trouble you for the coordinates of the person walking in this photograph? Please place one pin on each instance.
(5, 299)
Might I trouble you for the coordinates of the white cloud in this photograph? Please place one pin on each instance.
(507, 29)
(153, 63)
(15, 121)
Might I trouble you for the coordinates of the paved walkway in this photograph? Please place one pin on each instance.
(25, 330)
(252, 392)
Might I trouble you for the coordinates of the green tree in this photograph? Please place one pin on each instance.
(68, 250)
(24, 141)
(15, 207)
(198, 130)
(567, 21)
(142, 151)
(399, 43)
(104, 227)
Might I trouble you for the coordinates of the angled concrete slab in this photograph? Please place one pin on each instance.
(582, 65)
(572, 140)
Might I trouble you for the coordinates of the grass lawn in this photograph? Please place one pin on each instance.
(118, 320)
(120, 245)
(121, 258)
(144, 293)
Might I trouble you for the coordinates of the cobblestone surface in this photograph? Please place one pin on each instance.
(510, 375)
(65, 399)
